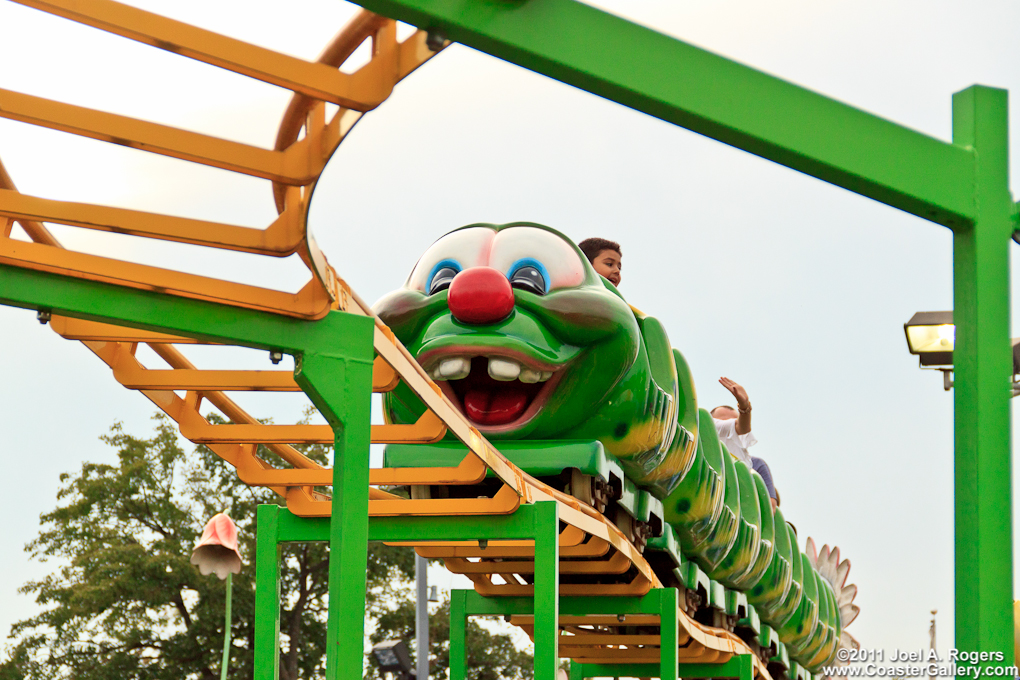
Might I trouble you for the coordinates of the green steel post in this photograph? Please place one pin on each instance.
(341, 388)
(267, 595)
(547, 590)
(669, 625)
(458, 635)
(983, 366)
(745, 666)
(225, 663)
(576, 671)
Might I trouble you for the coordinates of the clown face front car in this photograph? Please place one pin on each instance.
(530, 343)
(523, 336)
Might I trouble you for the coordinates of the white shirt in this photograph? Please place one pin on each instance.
(736, 443)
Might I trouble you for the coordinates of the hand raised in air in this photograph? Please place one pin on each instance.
(738, 392)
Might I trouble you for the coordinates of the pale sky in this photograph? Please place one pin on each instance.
(794, 288)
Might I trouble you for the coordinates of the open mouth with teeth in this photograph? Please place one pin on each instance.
(496, 393)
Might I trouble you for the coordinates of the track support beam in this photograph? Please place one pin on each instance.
(983, 366)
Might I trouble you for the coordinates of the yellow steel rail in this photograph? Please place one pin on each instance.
(362, 91)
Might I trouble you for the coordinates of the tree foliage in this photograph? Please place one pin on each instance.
(124, 601)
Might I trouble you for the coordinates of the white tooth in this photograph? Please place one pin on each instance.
(545, 376)
(434, 373)
(504, 369)
(455, 368)
(530, 375)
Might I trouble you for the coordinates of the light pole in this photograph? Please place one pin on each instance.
(421, 611)
(981, 441)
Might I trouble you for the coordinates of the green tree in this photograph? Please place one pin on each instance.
(124, 600)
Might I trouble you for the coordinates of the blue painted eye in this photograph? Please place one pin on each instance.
(441, 280)
(530, 279)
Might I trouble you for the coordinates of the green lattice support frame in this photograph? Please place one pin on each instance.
(662, 602)
(538, 522)
(541, 523)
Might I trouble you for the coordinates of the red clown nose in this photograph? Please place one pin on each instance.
(480, 295)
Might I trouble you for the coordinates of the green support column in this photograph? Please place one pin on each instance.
(547, 590)
(458, 635)
(983, 366)
(267, 594)
(669, 626)
(745, 666)
(341, 388)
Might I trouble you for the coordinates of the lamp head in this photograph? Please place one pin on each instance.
(932, 337)
(392, 656)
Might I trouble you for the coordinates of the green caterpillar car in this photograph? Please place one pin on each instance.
(530, 343)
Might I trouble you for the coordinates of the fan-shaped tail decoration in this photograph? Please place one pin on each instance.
(827, 562)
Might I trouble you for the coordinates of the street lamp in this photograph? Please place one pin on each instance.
(932, 337)
(392, 656)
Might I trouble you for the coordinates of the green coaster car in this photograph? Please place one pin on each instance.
(535, 348)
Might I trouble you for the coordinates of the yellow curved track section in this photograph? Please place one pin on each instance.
(306, 139)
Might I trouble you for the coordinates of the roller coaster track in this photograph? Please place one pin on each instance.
(310, 132)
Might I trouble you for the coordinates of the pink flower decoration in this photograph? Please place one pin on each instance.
(217, 549)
